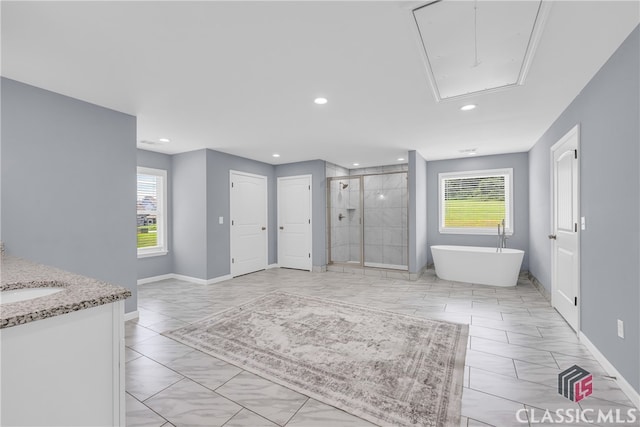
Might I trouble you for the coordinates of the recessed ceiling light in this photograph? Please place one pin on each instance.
(276, 155)
(164, 140)
(401, 159)
(320, 101)
(468, 107)
(356, 164)
(469, 151)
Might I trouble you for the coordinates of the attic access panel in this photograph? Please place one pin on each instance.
(477, 46)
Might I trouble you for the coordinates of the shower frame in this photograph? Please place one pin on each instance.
(361, 217)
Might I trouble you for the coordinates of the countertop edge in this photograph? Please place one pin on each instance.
(57, 311)
(79, 292)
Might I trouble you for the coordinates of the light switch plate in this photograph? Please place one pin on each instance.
(220, 220)
(583, 223)
(620, 328)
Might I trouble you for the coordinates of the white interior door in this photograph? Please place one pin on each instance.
(294, 222)
(565, 238)
(248, 223)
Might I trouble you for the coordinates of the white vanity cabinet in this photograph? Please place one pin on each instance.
(66, 370)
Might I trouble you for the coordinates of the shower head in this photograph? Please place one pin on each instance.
(344, 185)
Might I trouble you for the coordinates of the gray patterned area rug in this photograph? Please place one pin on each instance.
(388, 368)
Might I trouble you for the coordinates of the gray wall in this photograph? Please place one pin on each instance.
(520, 164)
(158, 265)
(317, 169)
(68, 184)
(418, 230)
(199, 194)
(607, 110)
(189, 189)
(219, 166)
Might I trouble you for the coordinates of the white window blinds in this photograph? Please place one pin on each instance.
(151, 208)
(476, 202)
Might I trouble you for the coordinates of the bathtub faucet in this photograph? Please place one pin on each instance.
(502, 237)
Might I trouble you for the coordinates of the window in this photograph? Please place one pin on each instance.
(476, 202)
(151, 212)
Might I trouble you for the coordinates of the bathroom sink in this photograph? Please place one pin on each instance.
(23, 294)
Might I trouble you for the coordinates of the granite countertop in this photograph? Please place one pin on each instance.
(79, 292)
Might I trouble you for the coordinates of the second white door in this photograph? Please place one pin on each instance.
(294, 222)
(249, 234)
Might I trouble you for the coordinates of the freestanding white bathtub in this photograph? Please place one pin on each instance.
(473, 264)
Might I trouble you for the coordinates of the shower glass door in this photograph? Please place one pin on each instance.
(385, 220)
(345, 220)
(367, 220)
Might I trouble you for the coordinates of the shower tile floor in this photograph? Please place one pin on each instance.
(517, 346)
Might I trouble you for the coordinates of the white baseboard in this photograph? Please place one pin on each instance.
(218, 279)
(185, 278)
(631, 393)
(155, 278)
(189, 279)
(131, 315)
(202, 281)
(270, 266)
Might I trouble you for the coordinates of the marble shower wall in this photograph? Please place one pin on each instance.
(385, 220)
(403, 167)
(333, 170)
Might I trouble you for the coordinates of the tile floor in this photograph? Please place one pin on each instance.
(517, 346)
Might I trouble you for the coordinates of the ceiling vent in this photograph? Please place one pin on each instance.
(473, 47)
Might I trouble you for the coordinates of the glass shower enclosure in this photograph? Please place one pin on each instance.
(367, 220)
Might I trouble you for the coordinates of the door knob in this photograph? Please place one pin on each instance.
(264, 228)
(281, 228)
(552, 236)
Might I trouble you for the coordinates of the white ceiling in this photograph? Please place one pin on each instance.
(240, 77)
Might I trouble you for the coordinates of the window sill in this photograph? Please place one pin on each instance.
(152, 254)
